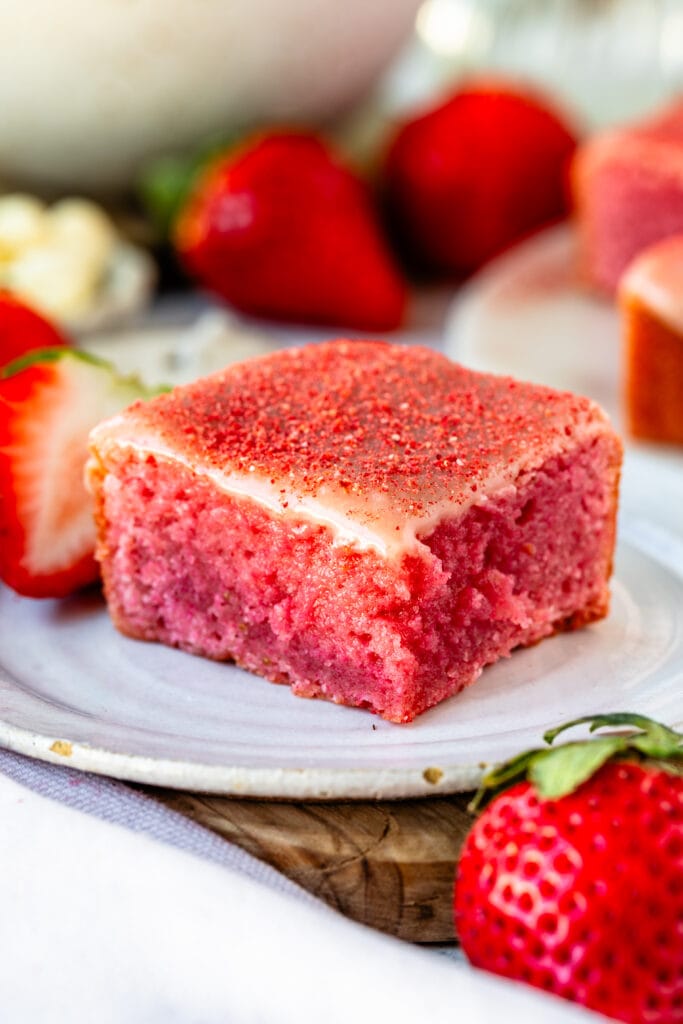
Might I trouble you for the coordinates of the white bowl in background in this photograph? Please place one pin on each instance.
(90, 89)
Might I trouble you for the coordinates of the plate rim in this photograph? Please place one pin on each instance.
(560, 237)
(309, 783)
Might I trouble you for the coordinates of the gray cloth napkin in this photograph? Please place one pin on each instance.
(115, 802)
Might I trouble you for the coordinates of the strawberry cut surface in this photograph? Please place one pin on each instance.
(23, 330)
(48, 404)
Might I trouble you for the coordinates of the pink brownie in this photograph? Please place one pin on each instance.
(628, 190)
(369, 523)
(651, 306)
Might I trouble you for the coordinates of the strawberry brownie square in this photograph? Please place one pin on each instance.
(628, 192)
(368, 523)
(651, 305)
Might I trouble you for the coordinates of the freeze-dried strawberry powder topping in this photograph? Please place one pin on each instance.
(391, 429)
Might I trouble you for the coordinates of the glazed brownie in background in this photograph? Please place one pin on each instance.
(369, 523)
(651, 305)
(628, 193)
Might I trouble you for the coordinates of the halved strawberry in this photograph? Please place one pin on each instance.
(23, 330)
(49, 402)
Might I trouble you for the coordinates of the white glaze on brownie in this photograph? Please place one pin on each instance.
(379, 442)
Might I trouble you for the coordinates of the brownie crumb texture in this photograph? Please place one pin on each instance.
(394, 630)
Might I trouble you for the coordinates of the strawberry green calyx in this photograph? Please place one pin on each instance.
(557, 771)
(653, 739)
(167, 181)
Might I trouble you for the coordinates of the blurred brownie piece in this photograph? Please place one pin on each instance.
(651, 302)
(628, 193)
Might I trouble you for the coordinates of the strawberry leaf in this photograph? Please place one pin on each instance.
(167, 181)
(560, 771)
(502, 776)
(653, 739)
(164, 187)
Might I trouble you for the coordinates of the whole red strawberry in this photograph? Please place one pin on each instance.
(23, 330)
(280, 228)
(572, 880)
(475, 173)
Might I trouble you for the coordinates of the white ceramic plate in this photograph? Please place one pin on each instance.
(73, 690)
(526, 315)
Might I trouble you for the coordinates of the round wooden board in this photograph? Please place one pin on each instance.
(386, 864)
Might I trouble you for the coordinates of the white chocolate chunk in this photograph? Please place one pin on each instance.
(82, 225)
(59, 281)
(22, 224)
